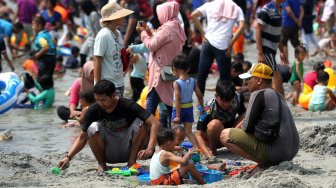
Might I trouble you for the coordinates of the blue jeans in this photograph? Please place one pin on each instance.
(208, 54)
(152, 102)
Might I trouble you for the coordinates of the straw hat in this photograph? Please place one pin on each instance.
(113, 11)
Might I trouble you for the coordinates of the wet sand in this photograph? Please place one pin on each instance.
(40, 141)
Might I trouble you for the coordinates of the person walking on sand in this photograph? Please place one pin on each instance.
(116, 129)
(268, 37)
(218, 40)
(268, 134)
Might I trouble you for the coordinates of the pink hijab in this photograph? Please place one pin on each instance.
(86, 83)
(225, 9)
(167, 15)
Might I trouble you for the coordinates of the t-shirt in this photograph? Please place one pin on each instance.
(227, 117)
(139, 68)
(319, 95)
(295, 6)
(286, 146)
(270, 18)
(6, 28)
(27, 10)
(120, 119)
(329, 9)
(108, 47)
(56, 17)
(310, 79)
(218, 33)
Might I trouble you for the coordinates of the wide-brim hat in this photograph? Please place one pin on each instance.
(113, 11)
(259, 70)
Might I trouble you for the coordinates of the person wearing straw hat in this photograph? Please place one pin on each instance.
(268, 134)
(107, 46)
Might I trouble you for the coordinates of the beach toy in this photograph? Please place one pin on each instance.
(136, 166)
(118, 171)
(200, 168)
(55, 170)
(195, 157)
(186, 145)
(144, 178)
(233, 163)
(211, 176)
(10, 93)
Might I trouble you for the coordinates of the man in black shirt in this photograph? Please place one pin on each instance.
(115, 130)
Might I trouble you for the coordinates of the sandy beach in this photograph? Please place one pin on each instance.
(40, 141)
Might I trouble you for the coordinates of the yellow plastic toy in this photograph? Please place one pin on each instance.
(308, 91)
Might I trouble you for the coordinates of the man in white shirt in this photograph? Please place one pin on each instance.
(218, 39)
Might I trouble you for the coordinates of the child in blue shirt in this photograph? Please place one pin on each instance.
(184, 88)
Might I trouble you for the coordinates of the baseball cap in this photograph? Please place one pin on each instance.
(259, 70)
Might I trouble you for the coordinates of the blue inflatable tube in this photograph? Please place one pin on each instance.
(10, 93)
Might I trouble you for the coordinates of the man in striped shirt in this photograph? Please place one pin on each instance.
(268, 37)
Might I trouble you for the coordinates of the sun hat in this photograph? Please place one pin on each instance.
(113, 11)
(259, 70)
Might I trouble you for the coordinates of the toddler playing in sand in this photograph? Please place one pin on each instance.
(319, 100)
(160, 172)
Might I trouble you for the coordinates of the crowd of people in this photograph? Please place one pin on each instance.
(172, 46)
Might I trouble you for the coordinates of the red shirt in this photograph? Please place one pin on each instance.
(310, 79)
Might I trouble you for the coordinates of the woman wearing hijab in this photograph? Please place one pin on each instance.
(84, 83)
(107, 47)
(164, 46)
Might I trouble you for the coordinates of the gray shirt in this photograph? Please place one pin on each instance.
(108, 47)
(264, 104)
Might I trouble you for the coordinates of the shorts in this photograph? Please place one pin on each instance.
(269, 57)
(250, 145)
(2, 46)
(173, 178)
(186, 115)
(317, 107)
(117, 144)
(290, 33)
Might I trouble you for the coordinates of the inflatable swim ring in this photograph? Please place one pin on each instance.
(308, 91)
(9, 95)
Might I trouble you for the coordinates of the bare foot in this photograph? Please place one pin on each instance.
(101, 167)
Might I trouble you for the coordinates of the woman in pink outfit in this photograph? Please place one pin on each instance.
(163, 47)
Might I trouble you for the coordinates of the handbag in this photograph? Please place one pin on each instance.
(125, 59)
(167, 74)
(266, 130)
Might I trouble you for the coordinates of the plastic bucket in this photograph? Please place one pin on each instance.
(200, 168)
(211, 176)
